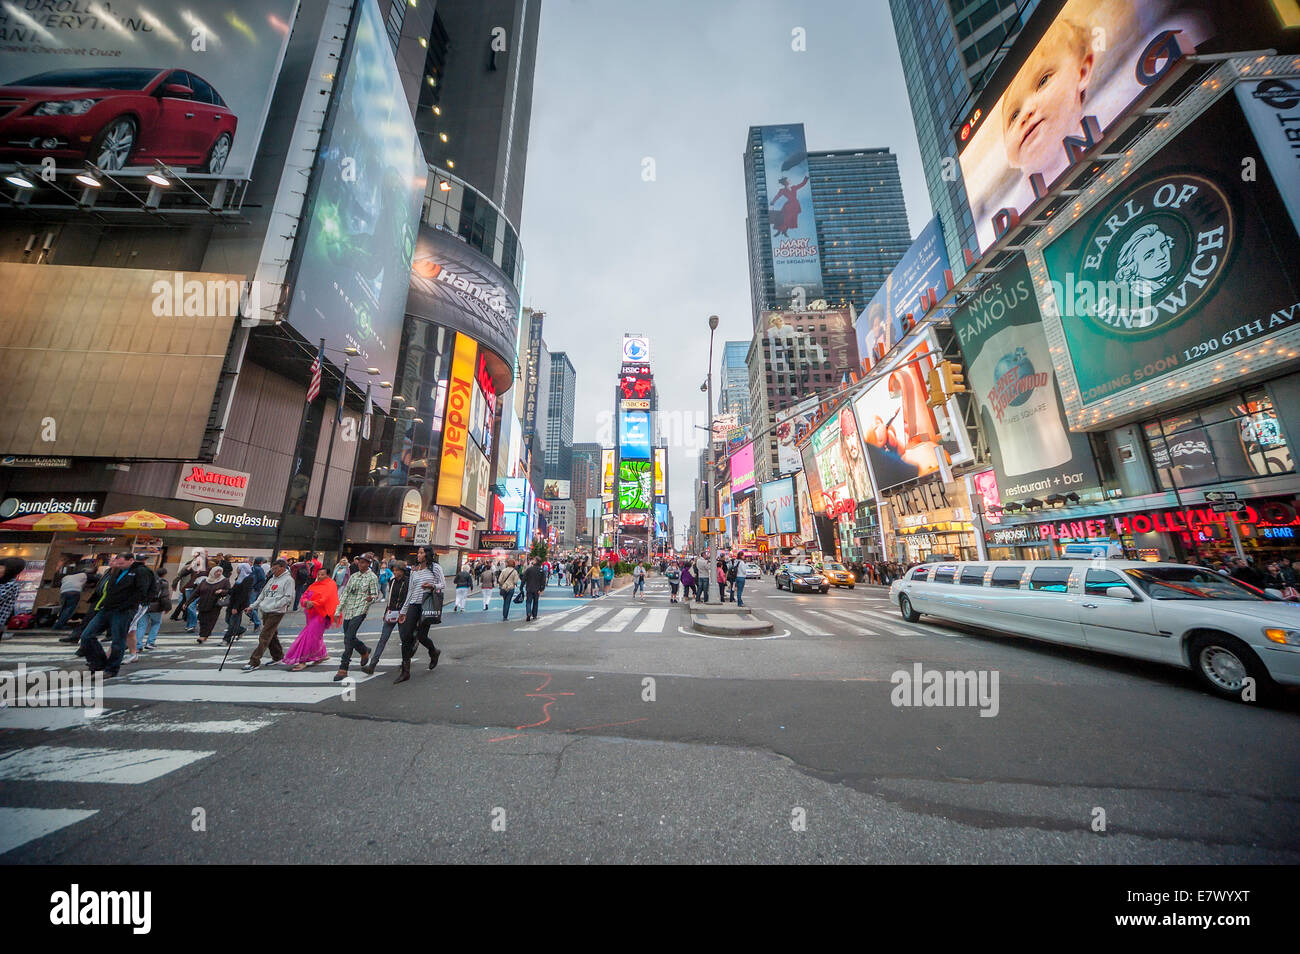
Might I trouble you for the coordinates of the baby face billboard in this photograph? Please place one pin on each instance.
(796, 262)
(1183, 265)
(779, 506)
(880, 326)
(185, 84)
(904, 436)
(1094, 60)
(1013, 383)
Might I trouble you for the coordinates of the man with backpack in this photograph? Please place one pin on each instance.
(464, 581)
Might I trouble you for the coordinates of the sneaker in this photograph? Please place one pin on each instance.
(249, 667)
(130, 659)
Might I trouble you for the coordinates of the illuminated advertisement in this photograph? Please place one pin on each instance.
(635, 385)
(352, 283)
(812, 477)
(904, 436)
(986, 486)
(1014, 387)
(921, 271)
(477, 486)
(1066, 93)
(1272, 108)
(795, 339)
(532, 376)
(788, 425)
(796, 263)
(634, 434)
(661, 469)
(841, 464)
(455, 425)
(635, 485)
(742, 469)
(661, 520)
(555, 490)
(607, 472)
(780, 513)
(1185, 264)
(162, 88)
(803, 500)
(636, 349)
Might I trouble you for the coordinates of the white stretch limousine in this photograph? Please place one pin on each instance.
(1187, 616)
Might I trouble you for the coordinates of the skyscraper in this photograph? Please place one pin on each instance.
(860, 216)
(585, 481)
(733, 397)
(559, 418)
(946, 46)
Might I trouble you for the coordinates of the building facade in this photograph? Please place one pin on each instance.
(562, 395)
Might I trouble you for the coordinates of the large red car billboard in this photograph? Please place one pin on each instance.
(186, 85)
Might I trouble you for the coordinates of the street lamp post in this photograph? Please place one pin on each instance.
(708, 385)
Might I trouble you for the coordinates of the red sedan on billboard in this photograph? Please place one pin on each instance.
(117, 118)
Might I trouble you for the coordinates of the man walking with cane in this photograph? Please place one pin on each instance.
(361, 589)
(274, 601)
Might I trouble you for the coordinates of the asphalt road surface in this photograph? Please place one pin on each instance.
(606, 731)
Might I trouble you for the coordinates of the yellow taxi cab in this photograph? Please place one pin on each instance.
(837, 574)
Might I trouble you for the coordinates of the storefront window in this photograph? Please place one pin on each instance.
(1233, 440)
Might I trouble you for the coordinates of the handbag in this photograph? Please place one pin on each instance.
(519, 596)
(391, 616)
(432, 605)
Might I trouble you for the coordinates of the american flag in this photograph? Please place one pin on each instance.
(313, 389)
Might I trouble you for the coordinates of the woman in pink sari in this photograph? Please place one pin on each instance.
(321, 602)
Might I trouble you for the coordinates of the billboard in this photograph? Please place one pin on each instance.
(187, 85)
(841, 464)
(881, 324)
(635, 485)
(513, 494)
(986, 486)
(353, 279)
(779, 507)
(796, 341)
(474, 496)
(1272, 108)
(803, 500)
(636, 349)
(742, 469)
(661, 520)
(661, 471)
(788, 424)
(902, 433)
(1183, 266)
(555, 490)
(634, 434)
(796, 263)
(456, 423)
(607, 471)
(1014, 387)
(532, 375)
(635, 384)
(1093, 61)
(812, 477)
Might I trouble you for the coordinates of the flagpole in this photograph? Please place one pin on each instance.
(293, 469)
(329, 452)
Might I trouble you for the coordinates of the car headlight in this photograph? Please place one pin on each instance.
(1284, 637)
(64, 107)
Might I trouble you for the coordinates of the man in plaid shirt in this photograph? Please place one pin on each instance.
(361, 589)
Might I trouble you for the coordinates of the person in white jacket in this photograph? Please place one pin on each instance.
(275, 600)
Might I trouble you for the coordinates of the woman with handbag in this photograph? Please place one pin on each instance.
(209, 597)
(321, 603)
(422, 599)
(397, 589)
(241, 594)
(508, 581)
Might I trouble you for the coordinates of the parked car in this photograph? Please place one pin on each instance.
(839, 575)
(751, 571)
(116, 117)
(1223, 630)
(800, 577)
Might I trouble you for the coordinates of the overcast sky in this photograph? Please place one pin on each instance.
(681, 82)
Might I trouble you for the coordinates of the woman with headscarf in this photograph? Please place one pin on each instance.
(206, 599)
(240, 595)
(10, 567)
(321, 603)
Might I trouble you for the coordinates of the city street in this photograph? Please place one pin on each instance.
(606, 731)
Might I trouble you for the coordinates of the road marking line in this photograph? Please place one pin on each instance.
(587, 618)
(654, 621)
(322, 674)
(540, 623)
(224, 692)
(18, 826)
(838, 618)
(795, 623)
(619, 621)
(56, 763)
(48, 718)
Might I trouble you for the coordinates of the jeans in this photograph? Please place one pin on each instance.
(530, 604)
(638, 585)
(413, 630)
(68, 606)
(740, 591)
(351, 642)
(384, 633)
(702, 591)
(192, 613)
(255, 618)
(146, 633)
(507, 597)
(116, 622)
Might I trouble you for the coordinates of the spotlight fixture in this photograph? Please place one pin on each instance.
(349, 350)
(1013, 507)
(91, 177)
(1072, 497)
(160, 176)
(442, 136)
(20, 180)
(451, 164)
(372, 371)
(385, 384)
(444, 185)
(1033, 503)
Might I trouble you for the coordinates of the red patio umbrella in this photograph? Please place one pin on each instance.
(138, 520)
(47, 522)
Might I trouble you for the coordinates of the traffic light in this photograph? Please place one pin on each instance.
(934, 385)
(954, 382)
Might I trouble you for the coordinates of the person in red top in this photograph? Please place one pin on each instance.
(787, 217)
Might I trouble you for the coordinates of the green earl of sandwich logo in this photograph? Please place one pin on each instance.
(1156, 254)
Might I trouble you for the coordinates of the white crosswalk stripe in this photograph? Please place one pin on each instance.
(58, 763)
(584, 620)
(653, 622)
(619, 621)
(795, 622)
(18, 826)
(544, 622)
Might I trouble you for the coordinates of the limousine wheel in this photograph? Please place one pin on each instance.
(1223, 663)
(905, 607)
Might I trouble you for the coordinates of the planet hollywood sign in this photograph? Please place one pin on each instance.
(1205, 522)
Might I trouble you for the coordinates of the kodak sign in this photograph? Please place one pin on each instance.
(455, 425)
